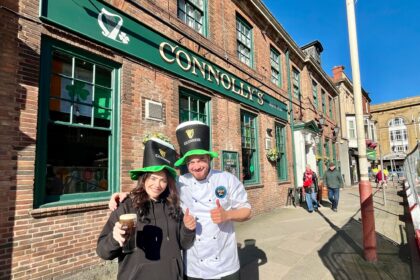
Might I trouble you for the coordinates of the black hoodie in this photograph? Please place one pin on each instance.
(159, 242)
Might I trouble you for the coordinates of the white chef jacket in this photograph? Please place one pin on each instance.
(214, 253)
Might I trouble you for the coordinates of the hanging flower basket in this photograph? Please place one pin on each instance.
(318, 157)
(157, 135)
(272, 155)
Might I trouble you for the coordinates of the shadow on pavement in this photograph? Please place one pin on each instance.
(250, 258)
(343, 255)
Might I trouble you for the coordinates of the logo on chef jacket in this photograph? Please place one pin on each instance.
(221, 192)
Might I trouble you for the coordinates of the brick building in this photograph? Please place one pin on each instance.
(83, 82)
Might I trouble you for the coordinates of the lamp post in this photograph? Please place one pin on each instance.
(365, 189)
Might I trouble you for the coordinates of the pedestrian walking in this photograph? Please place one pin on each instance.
(380, 179)
(310, 189)
(333, 181)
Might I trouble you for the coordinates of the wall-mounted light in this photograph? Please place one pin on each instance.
(269, 130)
(336, 130)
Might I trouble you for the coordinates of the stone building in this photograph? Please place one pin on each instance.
(83, 82)
(398, 130)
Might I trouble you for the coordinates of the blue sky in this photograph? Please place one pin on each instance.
(388, 34)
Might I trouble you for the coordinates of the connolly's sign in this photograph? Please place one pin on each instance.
(101, 22)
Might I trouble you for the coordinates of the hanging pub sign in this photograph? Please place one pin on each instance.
(106, 25)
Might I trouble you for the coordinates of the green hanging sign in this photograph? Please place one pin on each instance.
(101, 22)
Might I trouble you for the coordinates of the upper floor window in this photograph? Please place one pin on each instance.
(398, 135)
(296, 83)
(330, 106)
(352, 129)
(193, 13)
(315, 93)
(324, 106)
(275, 67)
(244, 41)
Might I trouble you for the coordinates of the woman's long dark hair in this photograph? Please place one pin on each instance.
(169, 196)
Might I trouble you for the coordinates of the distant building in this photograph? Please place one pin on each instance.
(349, 157)
(398, 129)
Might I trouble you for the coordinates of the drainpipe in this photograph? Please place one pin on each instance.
(292, 126)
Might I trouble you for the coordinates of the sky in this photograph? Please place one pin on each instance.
(388, 34)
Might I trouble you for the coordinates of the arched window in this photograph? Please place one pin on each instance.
(398, 135)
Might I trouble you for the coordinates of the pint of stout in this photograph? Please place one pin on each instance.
(128, 223)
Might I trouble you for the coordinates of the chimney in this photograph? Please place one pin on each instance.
(338, 72)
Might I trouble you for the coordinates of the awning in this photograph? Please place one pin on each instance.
(394, 156)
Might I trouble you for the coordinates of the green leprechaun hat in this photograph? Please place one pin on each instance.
(158, 155)
(193, 139)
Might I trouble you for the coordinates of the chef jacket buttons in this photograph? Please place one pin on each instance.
(214, 237)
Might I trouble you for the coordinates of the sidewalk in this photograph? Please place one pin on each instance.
(291, 243)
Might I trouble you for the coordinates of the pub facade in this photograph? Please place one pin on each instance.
(85, 82)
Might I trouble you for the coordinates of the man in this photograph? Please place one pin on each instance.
(333, 181)
(310, 189)
(216, 199)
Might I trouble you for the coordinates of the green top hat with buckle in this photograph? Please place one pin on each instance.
(158, 155)
(193, 139)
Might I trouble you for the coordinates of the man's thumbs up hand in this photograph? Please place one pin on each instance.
(189, 220)
(218, 214)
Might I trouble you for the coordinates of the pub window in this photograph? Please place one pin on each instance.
(319, 161)
(77, 141)
(296, 83)
(281, 148)
(275, 67)
(193, 107)
(244, 41)
(194, 14)
(249, 148)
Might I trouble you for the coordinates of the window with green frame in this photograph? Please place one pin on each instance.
(296, 82)
(77, 147)
(320, 161)
(249, 148)
(327, 149)
(275, 67)
(244, 41)
(315, 93)
(334, 152)
(281, 148)
(330, 106)
(193, 107)
(324, 106)
(194, 14)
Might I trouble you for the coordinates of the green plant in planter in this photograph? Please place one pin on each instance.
(272, 154)
(157, 135)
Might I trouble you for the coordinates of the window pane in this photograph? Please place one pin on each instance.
(83, 70)
(59, 110)
(62, 64)
(77, 160)
(103, 76)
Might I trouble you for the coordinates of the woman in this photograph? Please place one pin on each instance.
(310, 188)
(162, 230)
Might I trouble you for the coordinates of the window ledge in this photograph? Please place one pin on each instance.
(251, 187)
(68, 209)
